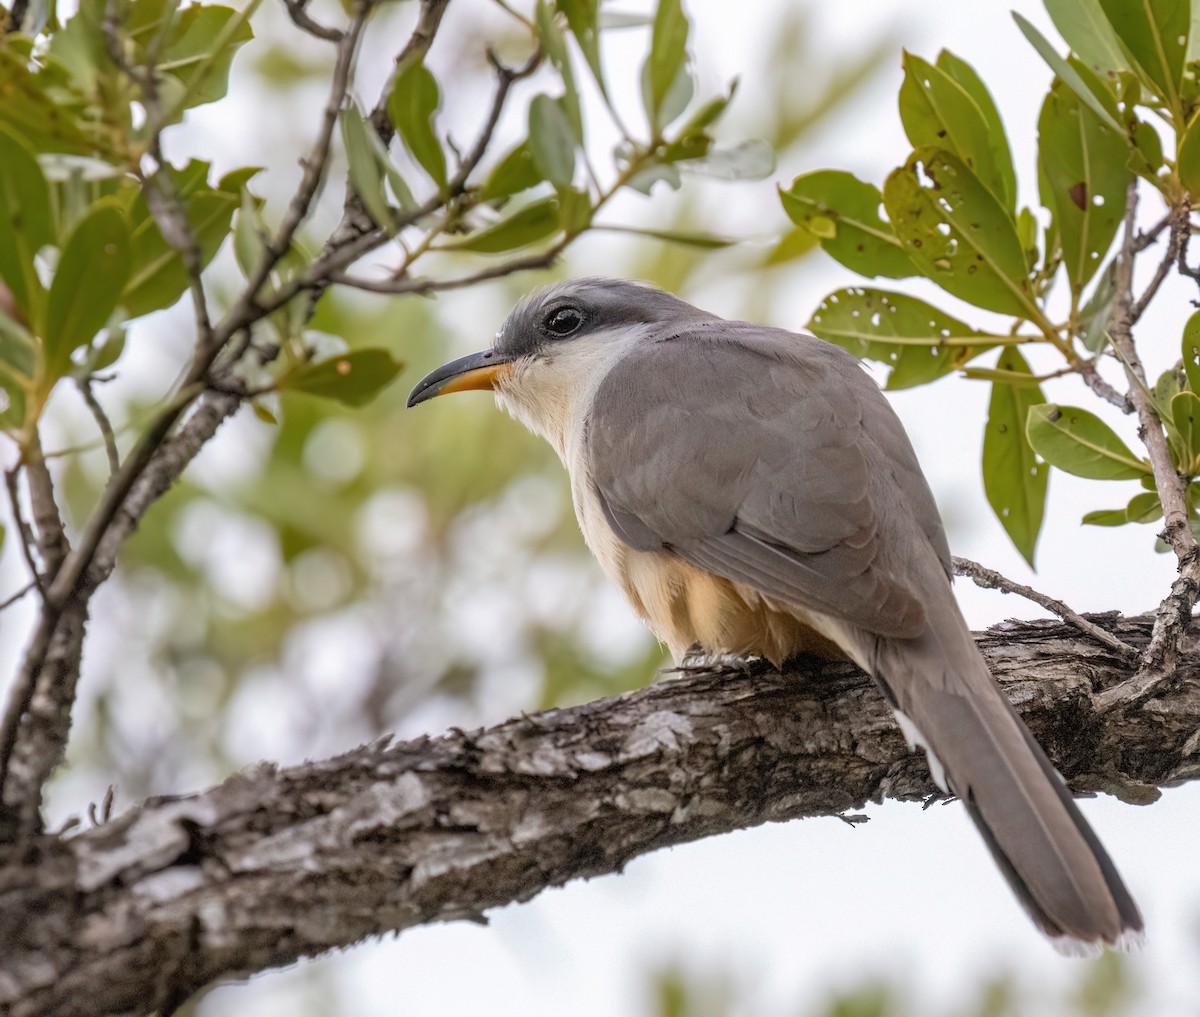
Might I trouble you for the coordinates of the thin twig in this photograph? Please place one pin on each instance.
(9, 601)
(24, 530)
(1178, 219)
(1145, 239)
(298, 12)
(992, 580)
(106, 429)
(1091, 377)
(427, 286)
(52, 542)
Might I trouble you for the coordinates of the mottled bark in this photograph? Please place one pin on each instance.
(275, 864)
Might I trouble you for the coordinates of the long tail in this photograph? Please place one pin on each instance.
(1055, 864)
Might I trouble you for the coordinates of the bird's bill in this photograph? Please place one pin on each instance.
(476, 371)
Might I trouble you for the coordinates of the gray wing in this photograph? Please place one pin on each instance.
(770, 459)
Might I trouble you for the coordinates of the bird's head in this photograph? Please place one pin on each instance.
(557, 345)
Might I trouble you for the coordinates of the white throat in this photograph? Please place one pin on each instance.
(552, 395)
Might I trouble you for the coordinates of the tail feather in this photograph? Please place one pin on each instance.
(1052, 859)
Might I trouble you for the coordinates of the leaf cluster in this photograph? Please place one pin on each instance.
(949, 213)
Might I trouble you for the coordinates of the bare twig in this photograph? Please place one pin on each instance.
(24, 530)
(992, 580)
(1092, 378)
(427, 286)
(13, 598)
(298, 12)
(1178, 219)
(106, 429)
(1145, 239)
(417, 46)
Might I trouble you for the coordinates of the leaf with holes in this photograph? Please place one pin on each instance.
(958, 234)
(938, 112)
(1014, 480)
(412, 105)
(965, 75)
(842, 213)
(87, 285)
(919, 342)
(1081, 163)
(1155, 34)
(1080, 443)
(26, 224)
(354, 378)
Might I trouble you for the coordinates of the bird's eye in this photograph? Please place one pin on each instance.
(564, 321)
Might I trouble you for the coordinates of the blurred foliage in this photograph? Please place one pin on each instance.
(951, 216)
(1104, 987)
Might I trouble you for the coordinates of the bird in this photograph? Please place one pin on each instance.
(752, 493)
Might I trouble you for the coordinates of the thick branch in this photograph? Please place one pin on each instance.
(274, 865)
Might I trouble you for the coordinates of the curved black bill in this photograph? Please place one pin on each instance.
(475, 371)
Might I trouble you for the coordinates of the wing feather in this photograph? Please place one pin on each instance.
(752, 453)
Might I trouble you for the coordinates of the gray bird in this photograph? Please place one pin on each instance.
(752, 492)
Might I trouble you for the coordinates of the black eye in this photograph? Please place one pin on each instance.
(564, 321)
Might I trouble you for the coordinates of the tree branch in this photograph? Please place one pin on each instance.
(275, 865)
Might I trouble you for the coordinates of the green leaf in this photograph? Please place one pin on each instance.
(514, 173)
(963, 73)
(32, 115)
(1065, 71)
(958, 234)
(1142, 508)
(705, 241)
(842, 212)
(1188, 161)
(1185, 414)
(1080, 443)
(1092, 323)
(1155, 33)
(1082, 165)
(919, 342)
(575, 211)
(556, 48)
(1013, 477)
(366, 174)
(752, 159)
(18, 350)
(938, 112)
(26, 224)
(1087, 31)
(412, 105)
(91, 274)
(527, 225)
(668, 52)
(354, 378)
(158, 277)
(583, 20)
(552, 141)
(1191, 351)
(203, 40)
